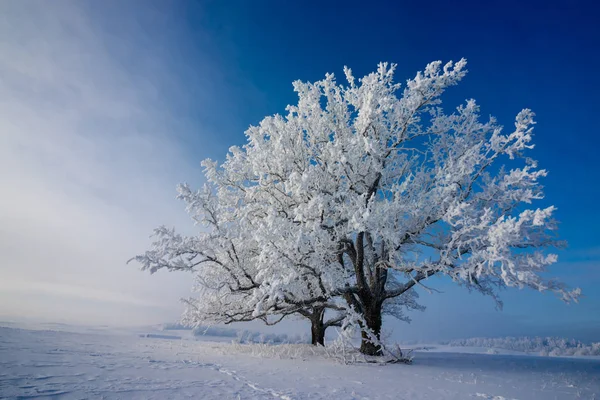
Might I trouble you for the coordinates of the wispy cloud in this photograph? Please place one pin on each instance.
(89, 158)
(76, 293)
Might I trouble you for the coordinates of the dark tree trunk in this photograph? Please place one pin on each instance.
(318, 326)
(372, 316)
(317, 330)
(370, 282)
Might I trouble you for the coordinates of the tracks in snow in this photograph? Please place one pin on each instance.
(235, 376)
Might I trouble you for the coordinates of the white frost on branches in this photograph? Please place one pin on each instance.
(364, 190)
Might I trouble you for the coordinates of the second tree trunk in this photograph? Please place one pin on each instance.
(372, 316)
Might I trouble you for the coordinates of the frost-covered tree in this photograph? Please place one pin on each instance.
(373, 188)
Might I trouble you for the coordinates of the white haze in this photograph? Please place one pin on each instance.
(88, 166)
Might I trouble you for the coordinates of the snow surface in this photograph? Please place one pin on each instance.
(142, 365)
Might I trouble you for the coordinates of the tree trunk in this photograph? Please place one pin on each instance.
(372, 316)
(370, 282)
(317, 330)
(316, 316)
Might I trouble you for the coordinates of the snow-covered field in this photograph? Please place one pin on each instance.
(127, 365)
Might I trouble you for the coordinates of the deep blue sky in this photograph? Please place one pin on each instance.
(521, 54)
(204, 71)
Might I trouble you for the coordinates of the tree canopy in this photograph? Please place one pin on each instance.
(359, 193)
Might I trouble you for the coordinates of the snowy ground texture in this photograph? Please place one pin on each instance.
(124, 365)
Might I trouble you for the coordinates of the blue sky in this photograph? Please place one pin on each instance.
(108, 105)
